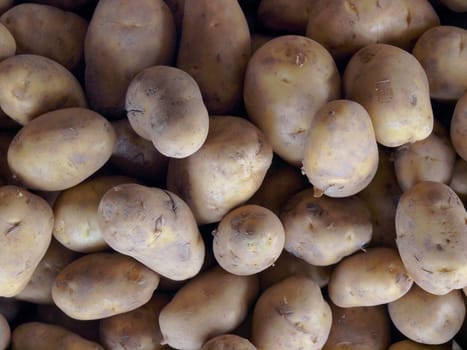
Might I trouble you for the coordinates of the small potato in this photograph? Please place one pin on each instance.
(287, 80)
(5, 333)
(26, 223)
(442, 52)
(60, 149)
(428, 318)
(248, 240)
(285, 16)
(164, 105)
(431, 232)
(410, 345)
(101, 285)
(213, 303)
(32, 85)
(455, 5)
(459, 179)
(459, 127)
(228, 342)
(374, 277)
(43, 336)
(291, 314)
(393, 87)
(7, 43)
(323, 230)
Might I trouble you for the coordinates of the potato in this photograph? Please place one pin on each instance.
(458, 129)
(441, 52)
(341, 153)
(455, 5)
(101, 285)
(60, 149)
(373, 277)
(458, 181)
(227, 170)
(213, 303)
(75, 212)
(323, 230)
(359, 328)
(153, 226)
(431, 159)
(47, 31)
(432, 238)
(214, 50)
(248, 240)
(428, 318)
(287, 80)
(410, 345)
(26, 222)
(5, 333)
(285, 16)
(228, 342)
(32, 85)
(291, 314)
(344, 26)
(122, 40)
(137, 329)
(43, 336)
(164, 105)
(393, 87)
(8, 43)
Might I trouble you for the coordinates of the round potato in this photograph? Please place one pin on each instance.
(373, 277)
(32, 85)
(455, 5)
(458, 129)
(60, 149)
(427, 318)
(431, 227)
(8, 43)
(285, 16)
(165, 106)
(459, 179)
(287, 80)
(5, 333)
(393, 87)
(411, 345)
(101, 285)
(228, 342)
(323, 230)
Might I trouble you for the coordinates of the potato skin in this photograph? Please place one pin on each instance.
(101, 285)
(8, 43)
(83, 138)
(458, 129)
(228, 342)
(5, 333)
(393, 87)
(285, 16)
(431, 237)
(287, 80)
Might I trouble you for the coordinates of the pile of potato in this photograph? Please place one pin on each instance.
(233, 175)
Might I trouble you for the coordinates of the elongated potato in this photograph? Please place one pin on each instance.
(458, 129)
(8, 43)
(228, 342)
(459, 179)
(5, 333)
(285, 16)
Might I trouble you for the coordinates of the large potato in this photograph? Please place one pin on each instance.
(101, 285)
(393, 87)
(8, 43)
(5, 333)
(431, 227)
(227, 170)
(26, 223)
(122, 40)
(458, 129)
(285, 16)
(214, 50)
(459, 179)
(287, 80)
(228, 342)
(60, 149)
(213, 303)
(32, 85)
(411, 345)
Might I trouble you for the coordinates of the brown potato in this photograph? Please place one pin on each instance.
(455, 5)
(459, 179)
(8, 43)
(287, 80)
(228, 342)
(60, 149)
(5, 333)
(285, 16)
(410, 345)
(459, 127)
(101, 285)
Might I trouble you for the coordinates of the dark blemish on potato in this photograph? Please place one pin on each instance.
(365, 56)
(13, 227)
(151, 91)
(439, 247)
(413, 100)
(314, 209)
(426, 270)
(446, 270)
(408, 18)
(171, 203)
(416, 258)
(218, 57)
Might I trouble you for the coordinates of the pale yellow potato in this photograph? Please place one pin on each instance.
(7, 43)
(26, 223)
(291, 314)
(228, 342)
(101, 285)
(213, 303)
(393, 87)
(455, 5)
(431, 232)
(458, 129)
(5, 333)
(369, 278)
(411, 345)
(287, 80)
(285, 16)
(458, 181)
(427, 318)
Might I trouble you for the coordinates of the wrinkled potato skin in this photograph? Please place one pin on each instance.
(192, 316)
(43, 336)
(287, 80)
(5, 333)
(225, 172)
(455, 5)
(228, 342)
(47, 31)
(323, 230)
(410, 345)
(26, 224)
(102, 285)
(393, 87)
(32, 85)
(427, 318)
(459, 127)
(60, 149)
(143, 36)
(214, 50)
(443, 54)
(431, 237)
(8, 43)
(459, 179)
(285, 16)
(374, 277)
